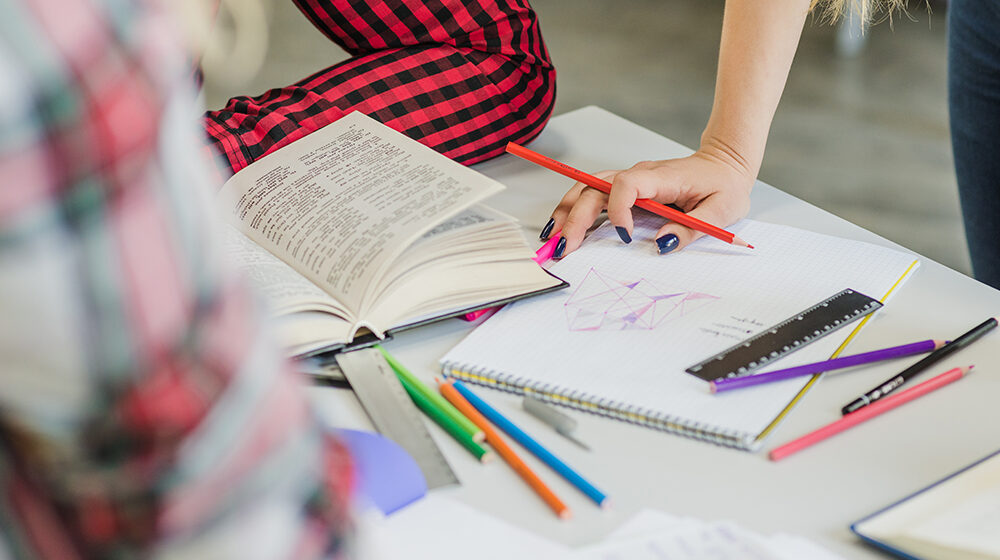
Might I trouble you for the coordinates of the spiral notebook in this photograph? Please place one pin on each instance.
(616, 343)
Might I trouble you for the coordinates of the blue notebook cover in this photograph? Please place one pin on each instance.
(890, 548)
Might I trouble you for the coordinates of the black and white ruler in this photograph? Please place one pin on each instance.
(393, 413)
(799, 330)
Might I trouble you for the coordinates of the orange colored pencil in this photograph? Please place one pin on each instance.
(644, 203)
(501, 447)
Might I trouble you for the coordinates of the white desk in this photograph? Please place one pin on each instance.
(816, 493)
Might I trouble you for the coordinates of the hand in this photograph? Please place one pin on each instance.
(712, 185)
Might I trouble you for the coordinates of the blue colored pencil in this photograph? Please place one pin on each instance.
(533, 446)
(729, 383)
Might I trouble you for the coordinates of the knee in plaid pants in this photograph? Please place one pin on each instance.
(462, 76)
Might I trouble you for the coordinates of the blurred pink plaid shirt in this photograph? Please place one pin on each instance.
(144, 410)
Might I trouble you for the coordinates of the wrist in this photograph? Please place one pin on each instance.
(743, 162)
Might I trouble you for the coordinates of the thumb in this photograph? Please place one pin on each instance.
(713, 210)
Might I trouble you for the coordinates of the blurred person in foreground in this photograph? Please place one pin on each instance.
(144, 410)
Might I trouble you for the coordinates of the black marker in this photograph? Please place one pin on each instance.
(894, 382)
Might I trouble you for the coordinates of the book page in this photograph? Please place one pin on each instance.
(633, 321)
(477, 256)
(972, 524)
(956, 518)
(307, 318)
(307, 332)
(342, 203)
(286, 290)
(474, 235)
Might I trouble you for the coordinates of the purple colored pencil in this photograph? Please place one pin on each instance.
(730, 383)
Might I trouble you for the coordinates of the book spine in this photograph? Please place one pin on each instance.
(579, 400)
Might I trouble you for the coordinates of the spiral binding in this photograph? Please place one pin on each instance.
(579, 400)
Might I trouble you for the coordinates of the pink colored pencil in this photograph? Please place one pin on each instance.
(546, 251)
(543, 254)
(868, 412)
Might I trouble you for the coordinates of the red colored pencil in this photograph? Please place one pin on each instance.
(870, 411)
(501, 447)
(644, 203)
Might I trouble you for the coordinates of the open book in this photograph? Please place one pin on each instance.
(957, 518)
(357, 229)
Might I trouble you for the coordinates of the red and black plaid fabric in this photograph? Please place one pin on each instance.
(462, 76)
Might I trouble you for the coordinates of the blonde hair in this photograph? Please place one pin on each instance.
(867, 11)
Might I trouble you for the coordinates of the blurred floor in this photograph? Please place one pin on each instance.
(865, 137)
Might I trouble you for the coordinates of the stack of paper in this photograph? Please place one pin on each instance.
(654, 535)
(440, 528)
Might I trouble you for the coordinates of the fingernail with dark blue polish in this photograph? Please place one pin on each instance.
(667, 243)
(623, 233)
(560, 247)
(547, 229)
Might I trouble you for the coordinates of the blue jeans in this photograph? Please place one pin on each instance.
(974, 107)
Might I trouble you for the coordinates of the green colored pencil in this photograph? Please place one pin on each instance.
(445, 422)
(431, 395)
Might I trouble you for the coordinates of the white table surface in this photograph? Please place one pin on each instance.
(816, 493)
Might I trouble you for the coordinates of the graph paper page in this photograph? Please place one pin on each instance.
(633, 321)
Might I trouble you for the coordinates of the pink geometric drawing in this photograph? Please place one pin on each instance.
(603, 303)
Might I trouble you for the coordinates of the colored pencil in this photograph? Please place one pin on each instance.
(546, 251)
(454, 430)
(504, 450)
(531, 445)
(543, 254)
(644, 203)
(433, 397)
(730, 383)
(867, 413)
(895, 381)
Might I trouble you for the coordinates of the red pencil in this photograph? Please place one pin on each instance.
(870, 411)
(644, 203)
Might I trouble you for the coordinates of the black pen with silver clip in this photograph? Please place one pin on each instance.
(897, 380)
